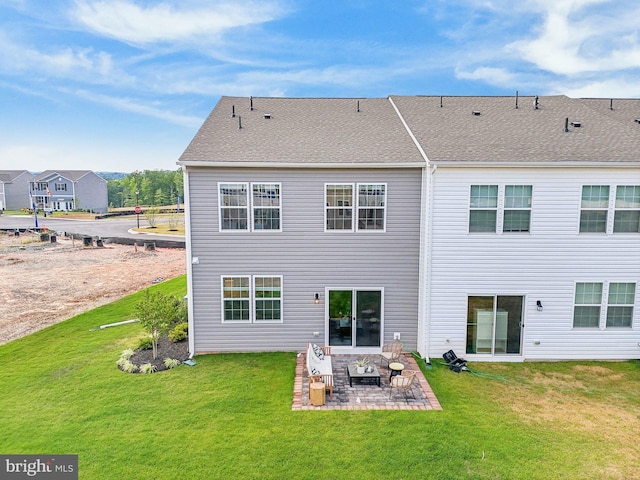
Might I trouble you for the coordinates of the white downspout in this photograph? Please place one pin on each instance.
(424, 269)
(190, 260)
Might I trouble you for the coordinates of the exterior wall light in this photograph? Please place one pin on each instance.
(539, 305)
(316, 299)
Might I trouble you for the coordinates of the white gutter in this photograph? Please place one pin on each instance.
(190, 261)
(341, 165)
(424, 267)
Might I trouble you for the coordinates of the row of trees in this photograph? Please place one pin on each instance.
(154, 187)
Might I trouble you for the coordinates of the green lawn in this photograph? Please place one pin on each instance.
(230, 416)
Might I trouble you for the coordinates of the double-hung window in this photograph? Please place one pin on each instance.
(517, 208)
(249, 207)
(252, 299)
(593, 208)
(627, 209)
(500, 208)
(616, 299)
(365, 202)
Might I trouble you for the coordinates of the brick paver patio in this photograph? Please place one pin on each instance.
(364, 396)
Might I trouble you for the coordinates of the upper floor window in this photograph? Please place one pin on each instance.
(601, 203)
(60, 187)
(627, 210)
(241, 211)
(593, 208)
(487, 213)
(370, 207)
(252, 299)
(593, 298)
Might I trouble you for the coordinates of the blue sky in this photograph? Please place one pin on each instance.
(123, 85)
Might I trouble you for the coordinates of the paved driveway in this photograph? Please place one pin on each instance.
(105, 228)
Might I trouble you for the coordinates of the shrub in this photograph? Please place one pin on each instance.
(147, 368)
(128, 367)
(145, 343)
(179, 332)
(171, 363)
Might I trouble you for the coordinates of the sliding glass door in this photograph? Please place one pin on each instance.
(494, 325)
(355, 318)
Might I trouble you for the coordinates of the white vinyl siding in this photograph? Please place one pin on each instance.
(544, 264)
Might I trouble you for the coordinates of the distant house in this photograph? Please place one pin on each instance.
(503, 228)
(14, 189)
(67, 190)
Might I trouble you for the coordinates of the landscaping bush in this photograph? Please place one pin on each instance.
(179, 332)
(145, 343)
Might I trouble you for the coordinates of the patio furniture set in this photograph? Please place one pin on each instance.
(321, 377)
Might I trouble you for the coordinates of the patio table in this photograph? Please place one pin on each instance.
(352, 372)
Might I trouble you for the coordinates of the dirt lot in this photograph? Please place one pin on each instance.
(42, 283)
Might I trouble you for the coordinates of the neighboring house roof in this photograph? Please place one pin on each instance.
(503, 134)
(315, 132)
(8, 176)
(72, 175)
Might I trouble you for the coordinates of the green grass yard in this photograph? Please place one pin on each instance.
(230, 416)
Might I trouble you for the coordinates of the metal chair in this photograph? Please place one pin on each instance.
(403, 382)
(391, 352)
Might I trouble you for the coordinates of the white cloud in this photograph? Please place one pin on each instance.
(130, 105)
(491, 75)
(129, 22)
(576, 37)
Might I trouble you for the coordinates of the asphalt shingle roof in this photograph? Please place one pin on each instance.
(300, 131)
(501, 133)
(455, 130)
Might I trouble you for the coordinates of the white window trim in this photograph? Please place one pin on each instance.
(500, 209)
(604, 305)
(356, 192)
(614, 195)
(355, 205)
(252, 300)
(250, 208)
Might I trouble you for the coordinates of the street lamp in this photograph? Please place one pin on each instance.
(137, 209)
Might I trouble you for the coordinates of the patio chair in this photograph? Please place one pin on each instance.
(326, 379)
(403, 382)
(391, 352)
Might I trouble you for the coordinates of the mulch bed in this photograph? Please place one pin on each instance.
(166, 349)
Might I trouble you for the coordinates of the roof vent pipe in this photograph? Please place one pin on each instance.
(251, 103)
(233, 111)
(516, 99)
(566, 124)
(441, 102)
(239, 122)
(611, 104)
(535, 103)
(358, 108)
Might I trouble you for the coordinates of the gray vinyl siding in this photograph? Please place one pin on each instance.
(308, 258)
(16, 193)
(544, 264)
(91, 193)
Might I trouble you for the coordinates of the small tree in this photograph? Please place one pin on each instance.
(158, 313)
(151, 214)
